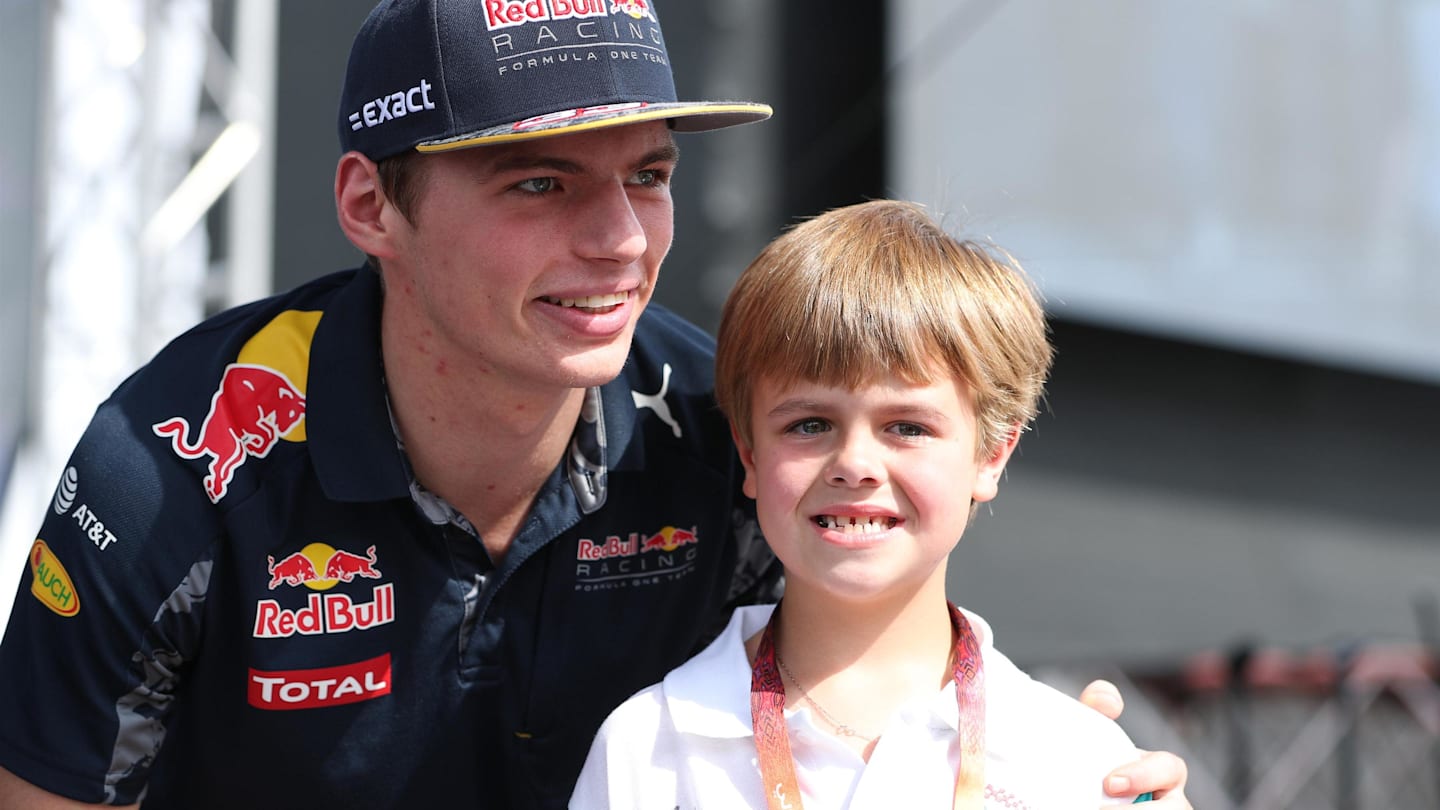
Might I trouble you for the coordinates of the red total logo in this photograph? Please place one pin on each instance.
(287, 690)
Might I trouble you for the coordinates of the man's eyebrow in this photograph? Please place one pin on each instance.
(669, 153)
(523, 162)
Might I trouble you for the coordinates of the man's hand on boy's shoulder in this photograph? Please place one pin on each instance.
(1158, 772)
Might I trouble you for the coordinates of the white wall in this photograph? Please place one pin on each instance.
(1263, 175)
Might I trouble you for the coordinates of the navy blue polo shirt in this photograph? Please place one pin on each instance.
(239, 597)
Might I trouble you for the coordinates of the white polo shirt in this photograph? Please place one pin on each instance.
(687, 743)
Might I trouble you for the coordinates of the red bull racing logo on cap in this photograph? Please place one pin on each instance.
(637, 559)
(252, 409)
(639, 9)
(506, 13)
(320, 567)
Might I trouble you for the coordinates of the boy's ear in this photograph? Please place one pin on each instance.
(747, 459)
(361, 206)
(987, 475)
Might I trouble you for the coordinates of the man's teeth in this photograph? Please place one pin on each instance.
(857, 525)
(591, 301)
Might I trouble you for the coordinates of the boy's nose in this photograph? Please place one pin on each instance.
(856, 463)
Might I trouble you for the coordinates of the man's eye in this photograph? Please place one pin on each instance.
(537, 185)
(650, 177)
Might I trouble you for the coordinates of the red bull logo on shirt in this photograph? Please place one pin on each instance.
(260, 401)
(635, 560)
(252, 409)
(319, 567)
(667, 539)
(325, 615)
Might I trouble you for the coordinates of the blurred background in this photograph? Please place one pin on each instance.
(1232, 208)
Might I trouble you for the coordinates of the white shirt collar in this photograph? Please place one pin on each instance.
(709, 695)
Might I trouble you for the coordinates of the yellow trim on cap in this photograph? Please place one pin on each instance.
(599, 123)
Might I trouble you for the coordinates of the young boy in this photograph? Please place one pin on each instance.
(877, 374)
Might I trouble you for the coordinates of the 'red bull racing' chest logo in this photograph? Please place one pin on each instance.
(637, 559)
(253, 408)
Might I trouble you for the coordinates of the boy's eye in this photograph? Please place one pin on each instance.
(910, 430)
(537, 185)
(808, 427)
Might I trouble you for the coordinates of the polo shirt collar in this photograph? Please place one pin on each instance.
(347, 420)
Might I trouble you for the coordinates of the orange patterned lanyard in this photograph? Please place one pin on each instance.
(772, 738)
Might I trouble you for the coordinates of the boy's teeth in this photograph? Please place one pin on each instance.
(591, 301)
(856, 525)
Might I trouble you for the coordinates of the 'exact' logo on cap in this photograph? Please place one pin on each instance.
(396, 105)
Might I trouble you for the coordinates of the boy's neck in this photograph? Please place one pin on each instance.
(861, 661)
(824, 634)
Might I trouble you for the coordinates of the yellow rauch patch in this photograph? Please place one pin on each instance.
(284, 345)
(52, 584)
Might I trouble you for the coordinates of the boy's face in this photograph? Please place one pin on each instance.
(864, 493)
(533, 260)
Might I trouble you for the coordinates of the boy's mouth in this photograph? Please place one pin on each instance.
(596, 304)
(865, 524)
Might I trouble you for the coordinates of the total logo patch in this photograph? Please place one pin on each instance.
(93, 527)
(289, 690)
(50, 582)
(320, 567)
(636, 559)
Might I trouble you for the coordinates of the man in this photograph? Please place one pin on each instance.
(406, 534)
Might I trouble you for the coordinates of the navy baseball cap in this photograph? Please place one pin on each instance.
(436, 75)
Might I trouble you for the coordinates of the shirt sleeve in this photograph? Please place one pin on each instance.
(105, 617)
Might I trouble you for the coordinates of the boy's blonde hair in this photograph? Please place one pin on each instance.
(878, 288)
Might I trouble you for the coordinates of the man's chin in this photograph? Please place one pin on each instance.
(593, 368)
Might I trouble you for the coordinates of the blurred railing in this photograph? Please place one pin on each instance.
(1355, 727)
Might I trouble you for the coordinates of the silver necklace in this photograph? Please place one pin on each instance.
(840, 728)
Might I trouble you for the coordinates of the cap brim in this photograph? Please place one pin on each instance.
(684, 116)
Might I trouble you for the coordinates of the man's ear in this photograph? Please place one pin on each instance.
(987, 475)
(747, 459)
(361, 206)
